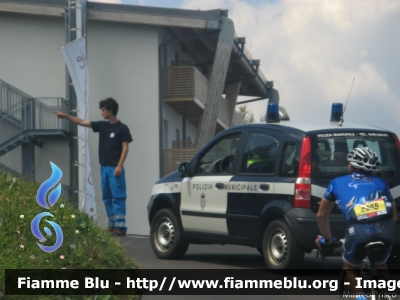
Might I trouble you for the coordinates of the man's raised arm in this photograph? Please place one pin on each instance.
(72, 119)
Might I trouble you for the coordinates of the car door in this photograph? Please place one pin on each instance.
(254, 183)
(204, 195)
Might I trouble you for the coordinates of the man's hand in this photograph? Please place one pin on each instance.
(117, 171)
(321, 240)
(72, 119)
(118, 168)
(59, 114)
(318, 241)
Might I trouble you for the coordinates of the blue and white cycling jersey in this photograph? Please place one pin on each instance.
(362, 198)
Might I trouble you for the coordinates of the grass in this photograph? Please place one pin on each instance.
(85, 246)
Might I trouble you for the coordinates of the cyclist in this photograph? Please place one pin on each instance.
(367, 204)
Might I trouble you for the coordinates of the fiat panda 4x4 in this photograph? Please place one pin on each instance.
(260, 185)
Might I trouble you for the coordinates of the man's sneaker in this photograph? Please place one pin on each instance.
(118, 232)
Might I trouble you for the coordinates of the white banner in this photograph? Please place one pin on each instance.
(75, 58)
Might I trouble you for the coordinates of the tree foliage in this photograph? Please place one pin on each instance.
(85, 244)
(247, 115)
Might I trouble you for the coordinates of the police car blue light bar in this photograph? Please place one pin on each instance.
(337, 112)
(273, 113)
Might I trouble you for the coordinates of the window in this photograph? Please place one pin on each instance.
(290, 160)
(330, 158)
(219, 158)
(260, 153)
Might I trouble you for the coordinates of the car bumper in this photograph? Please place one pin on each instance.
(305, 229)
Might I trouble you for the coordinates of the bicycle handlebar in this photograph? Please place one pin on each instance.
(333, 248)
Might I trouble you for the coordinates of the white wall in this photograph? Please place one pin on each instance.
(56, 152)
(123, 63)
(12, 160)
(30, 60)
(175, 122)
(191, 131)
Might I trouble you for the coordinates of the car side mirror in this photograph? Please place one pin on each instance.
(184, 168)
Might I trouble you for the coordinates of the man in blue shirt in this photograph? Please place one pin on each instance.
(367, 204)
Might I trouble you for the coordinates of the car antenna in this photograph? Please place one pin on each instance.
(344, 110)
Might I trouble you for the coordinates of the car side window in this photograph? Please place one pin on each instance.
(290, 160)
(260, 154)
(219, 159)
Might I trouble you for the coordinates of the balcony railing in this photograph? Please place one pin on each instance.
(185, 89)
(10, 96)
(32, 115)
(27, 119)
(182, 151)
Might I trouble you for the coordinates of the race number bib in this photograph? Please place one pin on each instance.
(370, 209)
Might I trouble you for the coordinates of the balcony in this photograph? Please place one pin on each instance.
(185, 90)
(25, 119)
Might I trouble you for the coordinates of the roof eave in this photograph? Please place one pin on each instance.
(208, 19)
(31, 9)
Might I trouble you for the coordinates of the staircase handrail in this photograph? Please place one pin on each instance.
(32, 114)
(11, 108)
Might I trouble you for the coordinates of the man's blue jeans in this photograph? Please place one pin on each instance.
(114, 196)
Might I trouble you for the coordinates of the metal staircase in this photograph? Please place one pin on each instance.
(24, 119)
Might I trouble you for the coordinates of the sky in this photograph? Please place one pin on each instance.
(313, 50)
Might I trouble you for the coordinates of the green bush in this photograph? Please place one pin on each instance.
(85, 245)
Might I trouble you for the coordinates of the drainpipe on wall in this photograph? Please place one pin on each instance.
(73, 128)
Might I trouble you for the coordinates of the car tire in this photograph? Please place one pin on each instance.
(165, 236)
(281, 250)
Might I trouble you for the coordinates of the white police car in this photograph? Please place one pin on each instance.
(260, 185)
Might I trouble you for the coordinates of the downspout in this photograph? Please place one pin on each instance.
(183, 128)
(74, 175)
(160, 95)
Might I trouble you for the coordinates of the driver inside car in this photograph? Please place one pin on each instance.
(262, 153)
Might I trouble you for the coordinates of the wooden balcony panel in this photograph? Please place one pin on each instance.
(184, 83)
(185, 90)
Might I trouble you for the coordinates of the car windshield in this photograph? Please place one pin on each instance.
(330, 151)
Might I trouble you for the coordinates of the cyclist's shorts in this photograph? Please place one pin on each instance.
(359, 235)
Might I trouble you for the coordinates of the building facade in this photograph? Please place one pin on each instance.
(163, 66)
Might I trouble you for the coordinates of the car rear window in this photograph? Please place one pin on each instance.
(329, 154)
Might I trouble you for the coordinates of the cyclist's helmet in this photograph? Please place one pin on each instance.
(364, 159)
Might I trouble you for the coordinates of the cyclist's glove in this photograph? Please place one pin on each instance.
(323, 241)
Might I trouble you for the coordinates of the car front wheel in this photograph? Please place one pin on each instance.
(281, 250)
(165, 236)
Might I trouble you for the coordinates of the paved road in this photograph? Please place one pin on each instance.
(214, 257)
